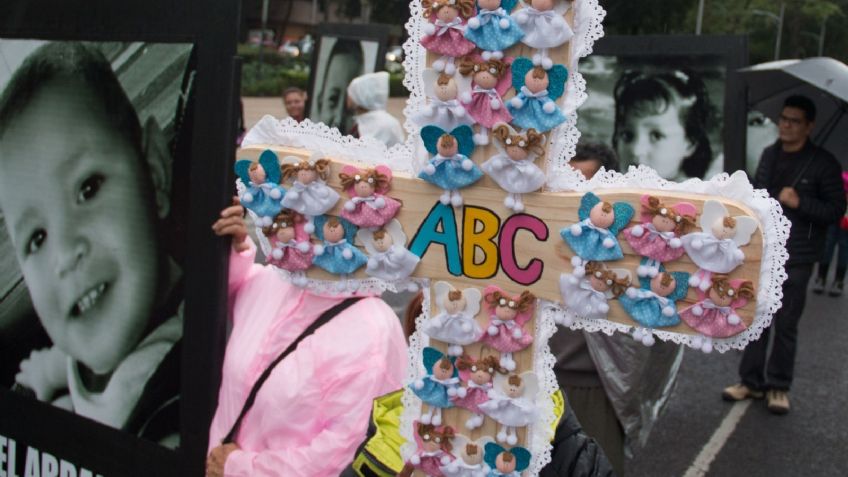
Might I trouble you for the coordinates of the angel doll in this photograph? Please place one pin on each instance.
(478, 377)
(658, 236)
(506, 463)
(469, 461)
(512, 404)
(716, 248)
(434, 446)
(653, 304)
(714, 315)
(388, 258)
(450, 168)
(538, 89)
(445, 34)
(262, 192)
(507, 317)
(444, 109)
(492, 29)
(290, 246)
(588, 288)
(336, 253)
(438, 386)
(455, 323)
(490, 81)
(512, 167)
(594, 237)
(544, 27)
(369, 206)
(309, 194)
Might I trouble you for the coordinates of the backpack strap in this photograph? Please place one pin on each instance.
(324, 318)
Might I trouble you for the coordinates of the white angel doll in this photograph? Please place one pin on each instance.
(388, 257)
(443, 109)
(512, 167)
(512, 403)
(469, 458)
(544, 27)
(716, 248)
(587, 290)
(455, 323)
(309, 195)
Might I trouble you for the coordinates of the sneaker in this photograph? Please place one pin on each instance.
(818, 286)
(835, 289)
(777, 401)
(739, 392)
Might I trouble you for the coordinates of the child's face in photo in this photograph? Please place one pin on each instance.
(81, 212)
(656, 140)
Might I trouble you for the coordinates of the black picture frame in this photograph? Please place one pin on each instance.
(327, 35)
(729, 51)
(213, 30)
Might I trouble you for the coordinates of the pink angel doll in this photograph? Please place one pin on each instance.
(369, 206)
(309, 194)
(291, 248)
(445, 34)
(657, 238)
(388, 257)
(506, 463)
(469, 458)
(544, 27)
(455, 323)
(587, 290)
(512, 167)
(491, 79)
(716, 248)
(443, 109)
(438, 386)
(714, 315)
(434, 450)
(478, 378)
(507, 317)
(262, 192)
(512, 404)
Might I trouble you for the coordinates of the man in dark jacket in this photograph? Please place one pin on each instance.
(806, 180)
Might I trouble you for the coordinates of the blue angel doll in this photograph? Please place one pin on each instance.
(652, 305)
(594, 237)
(538, 89)
(505, 462)
(336, 253)
(262, 192)
(438, 386)
(450, 168)
(492, 29)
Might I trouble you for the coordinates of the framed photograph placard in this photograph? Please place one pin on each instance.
(117, 129)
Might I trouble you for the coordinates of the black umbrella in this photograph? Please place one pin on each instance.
(824, 80)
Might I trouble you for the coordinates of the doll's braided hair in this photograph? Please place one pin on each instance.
(682, 222)
(469, 66)
(378, 180)
(465, 7)
(465, 362)
(619, 284)
(532, 139)
(522, 304)
(321, 166)
(721, 285)
(284, 219)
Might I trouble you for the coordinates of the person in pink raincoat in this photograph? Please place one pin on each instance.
(507, 317)
(312, 412)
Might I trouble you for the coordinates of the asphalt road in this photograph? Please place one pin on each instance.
(812, 440)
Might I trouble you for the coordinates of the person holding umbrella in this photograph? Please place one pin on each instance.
(806, 180)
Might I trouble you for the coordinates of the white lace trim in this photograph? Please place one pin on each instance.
(411, 403)
(540, 434)
(775, 230)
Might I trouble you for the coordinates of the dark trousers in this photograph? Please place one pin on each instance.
(775, 371)
(836, 236)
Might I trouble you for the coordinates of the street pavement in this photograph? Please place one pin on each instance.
(812, 440)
